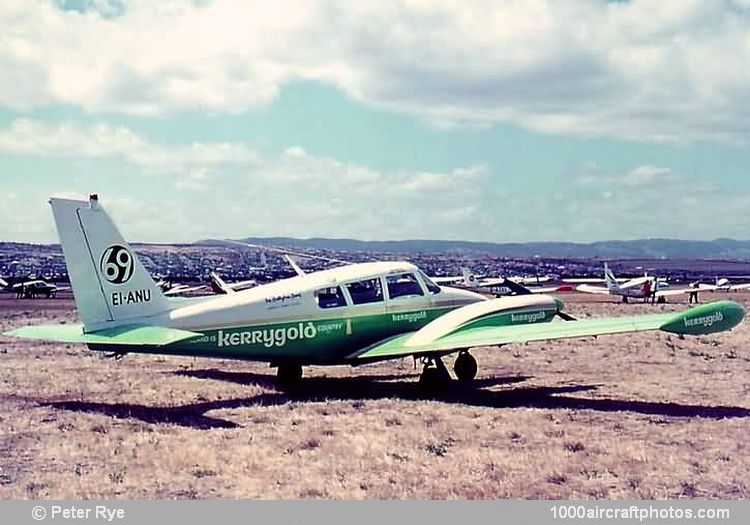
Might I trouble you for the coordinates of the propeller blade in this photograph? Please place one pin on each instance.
(566, 317)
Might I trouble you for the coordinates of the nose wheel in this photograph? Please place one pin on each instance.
(434, 374)
(465, 367)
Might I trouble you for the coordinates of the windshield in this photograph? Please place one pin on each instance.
(431, 287)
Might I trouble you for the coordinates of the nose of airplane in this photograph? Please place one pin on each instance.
(559, 304)
(459, 296)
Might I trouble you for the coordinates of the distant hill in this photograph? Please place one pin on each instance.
(637, 249)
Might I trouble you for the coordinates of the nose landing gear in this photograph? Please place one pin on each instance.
(435, 375)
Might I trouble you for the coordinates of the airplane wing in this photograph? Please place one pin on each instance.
(127, 335)
(551, 289)
(708, 318)
(489, 283)
(587, 288)
(680, 291)
(179, 290)
(447, 280)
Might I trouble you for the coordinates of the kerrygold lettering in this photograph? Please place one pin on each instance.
(705, 321)
(530, 317)
(410, 317)
(268, 337)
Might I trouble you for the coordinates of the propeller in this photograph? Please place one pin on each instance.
(564, 316)
(559, 312)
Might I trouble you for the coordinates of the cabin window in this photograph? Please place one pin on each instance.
(431, 287)
(403, 285)
(368, 291)
(331, 297)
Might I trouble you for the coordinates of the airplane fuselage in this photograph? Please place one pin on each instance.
(325, 317)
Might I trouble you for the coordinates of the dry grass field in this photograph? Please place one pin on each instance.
(632, 416)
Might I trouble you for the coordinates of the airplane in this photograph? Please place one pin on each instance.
(725, 285)
(499, 286)
(219, 286)
(348, 315)
(170, 289)
(638, 288)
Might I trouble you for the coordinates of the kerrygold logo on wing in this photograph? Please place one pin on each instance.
(531, 317)
(705, 321)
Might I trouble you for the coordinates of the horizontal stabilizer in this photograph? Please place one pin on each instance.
(127, 335)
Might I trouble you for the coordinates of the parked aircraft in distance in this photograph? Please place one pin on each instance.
(170, 289)
(353, 314)
(499, 286)
(639, 288)
(725, 285)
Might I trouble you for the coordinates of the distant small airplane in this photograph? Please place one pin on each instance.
(350, 315)
(639, 288)
(725, 285)
(500, 285)
(169, 289)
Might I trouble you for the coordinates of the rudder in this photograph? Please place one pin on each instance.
(109, 282)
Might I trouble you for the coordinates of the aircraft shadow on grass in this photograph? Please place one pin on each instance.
(362, 388)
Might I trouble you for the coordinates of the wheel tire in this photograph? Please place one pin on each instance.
(432, 380)
(289, 375)
(465, 367)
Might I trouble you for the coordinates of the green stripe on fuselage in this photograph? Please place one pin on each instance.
(327, 341)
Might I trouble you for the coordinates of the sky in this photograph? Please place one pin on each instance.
(497, 120)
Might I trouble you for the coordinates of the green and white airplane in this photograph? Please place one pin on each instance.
(349, 315)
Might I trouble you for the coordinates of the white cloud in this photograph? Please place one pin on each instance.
(294, 192)
(230, 190)
(28, 137)
(673, 70)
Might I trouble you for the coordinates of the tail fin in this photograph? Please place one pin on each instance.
(110, 284)
(299, 271)
(469, 278)
(218, 285)
(610, 279)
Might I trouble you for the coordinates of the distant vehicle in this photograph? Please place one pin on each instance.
(220, 286)
(350, 315)
(639, 288)
(32, 289)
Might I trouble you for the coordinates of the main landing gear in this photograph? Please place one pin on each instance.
(435, 375)
(465, 367)
(288, 376)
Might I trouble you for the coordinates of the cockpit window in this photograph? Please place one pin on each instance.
(331, 297)
(431, 287)
(403, 285)
(368, 291)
